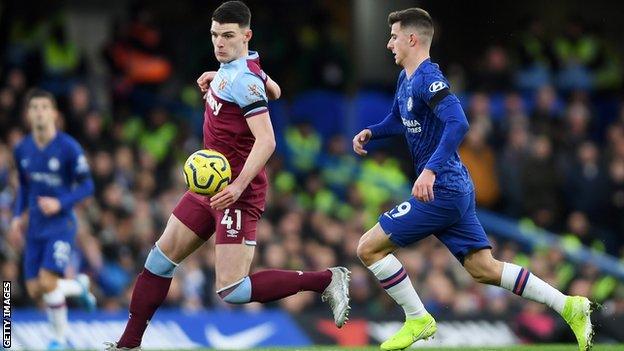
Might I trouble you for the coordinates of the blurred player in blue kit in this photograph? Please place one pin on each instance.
(53, 176)
(443, 200)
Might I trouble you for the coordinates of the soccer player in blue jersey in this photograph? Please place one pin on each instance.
(53, 176)
(442, 202)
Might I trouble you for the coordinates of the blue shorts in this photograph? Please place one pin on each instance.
(52, 253)
(452, 220)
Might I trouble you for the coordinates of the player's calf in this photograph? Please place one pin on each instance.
(149, 292)
(483, 267)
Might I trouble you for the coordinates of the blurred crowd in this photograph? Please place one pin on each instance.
(542, 148)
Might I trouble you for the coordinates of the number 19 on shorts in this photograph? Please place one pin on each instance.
(400, 210)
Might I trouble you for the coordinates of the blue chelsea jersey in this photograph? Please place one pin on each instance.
(415, 100)
(58, 170)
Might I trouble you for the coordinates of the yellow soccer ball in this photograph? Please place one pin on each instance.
(207, 172)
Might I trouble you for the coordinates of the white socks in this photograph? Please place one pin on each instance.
(57, 313)
(70, 287)
(393, 278)
(521, 282)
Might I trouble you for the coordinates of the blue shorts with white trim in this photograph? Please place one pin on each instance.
(453, 220)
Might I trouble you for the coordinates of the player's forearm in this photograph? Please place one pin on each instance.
(258, 156)
(390, 126)
(455, 128)
(79, 193)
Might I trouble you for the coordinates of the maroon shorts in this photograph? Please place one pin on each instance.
(233, 225)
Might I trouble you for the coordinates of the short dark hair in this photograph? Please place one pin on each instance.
(39, 93)
(233, 12)
(413, 17)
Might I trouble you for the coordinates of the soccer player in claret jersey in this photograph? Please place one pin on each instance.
(237, 124)
(442, 202)
(53, 176)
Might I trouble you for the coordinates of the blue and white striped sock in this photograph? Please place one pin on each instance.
(394, 279)
(521, 282)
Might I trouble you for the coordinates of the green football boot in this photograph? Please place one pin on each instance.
(577, 313)
(421, 328)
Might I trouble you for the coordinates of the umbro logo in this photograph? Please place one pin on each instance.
(437, 86)
(232, 233)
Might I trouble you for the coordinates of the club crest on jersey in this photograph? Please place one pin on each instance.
(410, 103)
(215, 106)
(254, 90)
(222, 84)
(437, 86)
(54, 164)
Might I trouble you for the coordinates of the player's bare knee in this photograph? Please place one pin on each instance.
(34, 290)
(365, 252)
(47, 283)
(483, 270)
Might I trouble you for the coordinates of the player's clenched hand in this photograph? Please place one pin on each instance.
(226, 197)
(423, 187)
(204, 80)
(49, 205)
(360, 140)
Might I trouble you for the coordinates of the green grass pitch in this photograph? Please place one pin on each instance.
(542, 347)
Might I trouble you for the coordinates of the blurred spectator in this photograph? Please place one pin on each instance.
(536, 56)
(577, 52)
(580, 232)
(61, 57)
(546, 117)
(495, 75)
(303, 148)
(480, 160)
(585, 186)
(541, 184)
(79, 106)
(615, 212)
(576, 128)
(338, 165)
(136, 55)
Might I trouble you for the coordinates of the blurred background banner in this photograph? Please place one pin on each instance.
(542, 87)
(170, 329)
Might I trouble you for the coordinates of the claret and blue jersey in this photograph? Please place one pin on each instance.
(58, 170)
